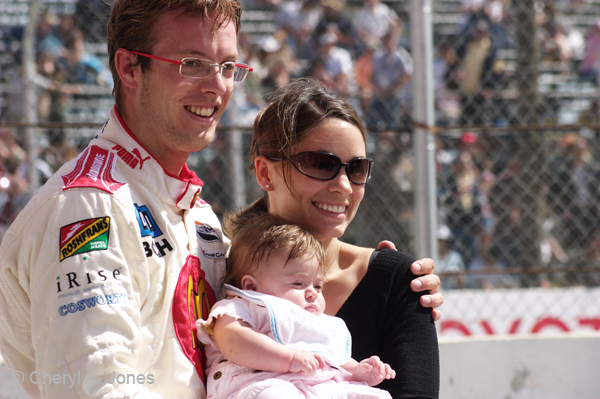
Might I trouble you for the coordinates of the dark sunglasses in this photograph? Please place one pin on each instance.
(326, 166)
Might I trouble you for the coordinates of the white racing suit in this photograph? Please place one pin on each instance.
(104, 273)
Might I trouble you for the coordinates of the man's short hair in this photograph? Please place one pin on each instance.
(131, 25)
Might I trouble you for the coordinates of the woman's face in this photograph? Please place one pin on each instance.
(324, 208)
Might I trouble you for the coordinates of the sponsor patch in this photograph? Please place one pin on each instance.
(213, 254)
(133, 158)
(94, 168)
(147, 224)
(206, 232)
(84, 236)
(87, 303)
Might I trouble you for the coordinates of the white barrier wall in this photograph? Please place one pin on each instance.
(565, 366)
(536, 343)
(519, 311)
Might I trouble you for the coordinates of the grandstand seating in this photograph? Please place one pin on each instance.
(556, 80)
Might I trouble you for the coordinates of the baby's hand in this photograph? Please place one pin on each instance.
(306, 363)
(373, 371)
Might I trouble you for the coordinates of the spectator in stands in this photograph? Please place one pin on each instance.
(59, 151)
(487, 179)
(79, 67)
(488, 261)
(51, 102)
(471, 6)
(54, 33)
(480, 74)
(463, 208)
(13, 178)
(552, 34)
(392, 70)
(48, 40)
(492, 12)
(573, 192)
(445, 65)
(363, 66)
(363, 71)
(374, 19)
(297, 20)
(338, 63)
(279, 62)
(335, 21)
(588, 68)
(318, 70)
(497, 11)
(506, 210)
(449, 260)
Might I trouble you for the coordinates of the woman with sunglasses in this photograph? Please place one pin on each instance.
(309, 155)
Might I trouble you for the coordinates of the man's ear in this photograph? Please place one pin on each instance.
(249, 283)
(128, 68)
(264, 172)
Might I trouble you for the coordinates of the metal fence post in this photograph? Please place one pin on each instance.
(423, 112)
(529, 175)
(30, 95)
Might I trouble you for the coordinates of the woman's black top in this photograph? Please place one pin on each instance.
(385, 318)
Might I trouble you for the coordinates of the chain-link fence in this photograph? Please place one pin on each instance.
(516, 119)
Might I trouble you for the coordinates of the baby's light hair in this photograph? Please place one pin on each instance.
(255, 237)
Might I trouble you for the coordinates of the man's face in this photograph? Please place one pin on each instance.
(178, 115)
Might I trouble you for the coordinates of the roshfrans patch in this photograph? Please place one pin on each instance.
(84, 236)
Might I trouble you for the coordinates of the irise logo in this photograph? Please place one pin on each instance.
(89, 278)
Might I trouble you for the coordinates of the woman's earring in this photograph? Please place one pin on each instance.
(266, 186)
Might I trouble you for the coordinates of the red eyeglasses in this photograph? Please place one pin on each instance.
(198, 68)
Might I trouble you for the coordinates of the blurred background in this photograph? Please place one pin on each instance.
(516, 123)
(515, 128)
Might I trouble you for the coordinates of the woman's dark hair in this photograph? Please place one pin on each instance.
(294, 110)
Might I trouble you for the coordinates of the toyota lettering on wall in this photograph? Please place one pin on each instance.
(544, 311)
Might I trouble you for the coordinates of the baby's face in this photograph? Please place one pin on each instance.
(298, 281)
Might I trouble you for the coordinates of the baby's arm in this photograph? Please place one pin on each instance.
(371, 370)
(240, 344)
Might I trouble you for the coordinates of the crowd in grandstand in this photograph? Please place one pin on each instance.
(361, 49)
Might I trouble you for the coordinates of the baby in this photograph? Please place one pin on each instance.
(270, 338)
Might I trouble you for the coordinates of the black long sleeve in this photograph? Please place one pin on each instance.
(385, 318)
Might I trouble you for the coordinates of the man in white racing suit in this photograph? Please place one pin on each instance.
(114, 246)
(104, 273)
